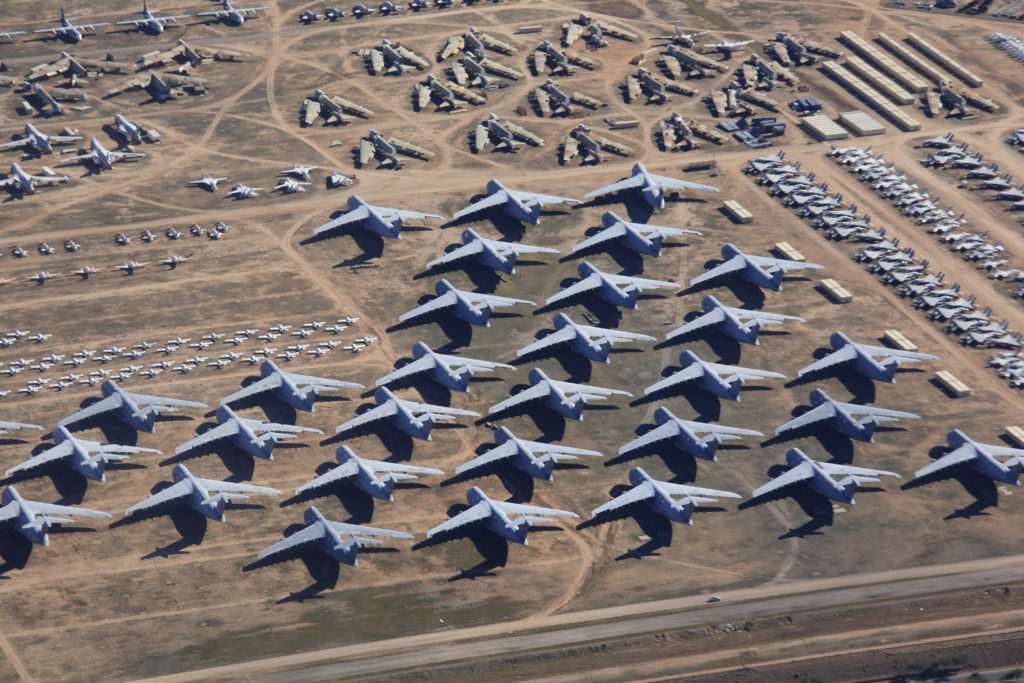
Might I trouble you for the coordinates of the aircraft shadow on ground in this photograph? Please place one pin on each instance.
(550, 424)
(816, 506)
(984, 490)
(629, 262)
(861, 388)
(750, 296)
(607, 315)
(725, 347)
(358, 504)
(458, 331)
(430, 391)
(240, 464)
(519, 484)
(839, 447)
(707, 406)
(577, 367)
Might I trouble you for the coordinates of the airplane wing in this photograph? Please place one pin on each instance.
(401, 468)
(625, 184)
(543, 198)
(9, 512)
(531, 394)
(48, 509)
(783, 264)
(310, 534)
(20, 142)
(676, 184)
(61, 450)
(585, 285)
(412, 215)
(822, 412)
(615, 336)
(517, 248)
(265, 384)
(707, 320)
(49, 178)
(489, 202)
(843, 355)
(143, 399)
(354, 216)
(366, 149)
(688, 373)
(561, 336)
(437, 412)
(793, 476)
(419, 365)
(683, 490)
(896, 354)
(359, 530)
(342, 471)
(474, 247)
(855, 409)
(322, 382)
(473, 515)
(17, 425)
(530, 510)
(436, 304)
(219, 432)
(588, 391)
(492, 300)
(107, 404)
(177, 490)
(633, 496)
(614, 232)
(733, 265)
(381, 412)
(501, 452)
(217, 485)
(659, 433)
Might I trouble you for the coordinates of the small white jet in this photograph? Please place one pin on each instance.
(128, 407)
(619, 290)
(289, 186)
(728, 47)
(850, 419)
(232, 16)
(240, 191)
(659, 496)
(377, 219)
(131, 131)
(298, 391)
(522, 206)
(20, 181)
(639, 237)
(652, 188)
(472, 307)
(415, 419)
(493, 254)
(494, 515)
(300, 172)
(565, 398)
(686, 435)
(255, 437)
(741, 324)
(67, 31)
(102, 158)
(39, 142)
(8, 426)
(208, 497)
(376, 478)
(149, 22)
(817, 476)
(861, 358)
(337, 540)
(33, 519)
(723, 381)
(533, 457)
(451, 372)
(88, 458)
(981, 457)
(207, 182)
(594, 343)
(679, 37)
(762, 271)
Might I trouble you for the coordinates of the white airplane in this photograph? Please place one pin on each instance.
(39, 142)
(687, 436)
(727, 47)
(594, 343)
(128, 407)
(208, 497)
(22, 182)
(207, 182)
(255, 437)
(72, 33)
(652, 188)
(298, 391)
(493, 254)
(101, 157)
(42, 276)
(452, 372)
(639, 237)
(377, 219)
(522, 206)
(659, 496)
(473, 307)
(33, 519)
(415, 419)
(678, 37)
(9, 35)
(300, 172)
(232, 16)
(240, 191)
(762, 271)
(8, 426)
(565, 398)
(981, 457)
(533, 457)
(338, 540)
(131, 131)
(739, 323)
(80, 455)
(289, 186)
(619, 290)
(376, 478)
(850, 419)
(151, 23)
(817, 476)
(723, 381)
(494, 515)
(861, 358)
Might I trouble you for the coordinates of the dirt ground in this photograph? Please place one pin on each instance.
(172, 593)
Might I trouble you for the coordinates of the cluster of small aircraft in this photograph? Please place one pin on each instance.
(291, 180)
(385, 9)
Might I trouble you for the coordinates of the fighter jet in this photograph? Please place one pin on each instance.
(659, 497)
(687, 436)
(80, 455)
(473, 307)
(392, 58)
(619, 290)
(340, 541)
(444, 94)
(817, 476)
(532, 457)
(149, 22)
(128, 408)
(565, 398)
(727, 47)
(241, 191)
(289, 186)
(35, 141)
(723, 381)
(102, 158)
(739, 323)
(20, 181)
(503, 134)
(255, 437)
(594, 343)
(207, 182)
(386, 150)
(652, 188)
(522, 206)
(376, 478)
(494, 516)
(131, 131)
(452, 372)
(232, 16)
(300, 172)
(410, 417)
(493, 254)
(298, 391)
(68, 32)
(850, 419)
(9, 426)
(377, 219)
(861, 358)
(639, 237)
(762, 271)
(199, 494)
(33, 519)
(981, 457)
